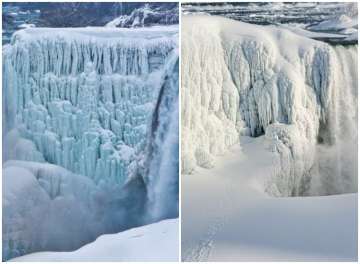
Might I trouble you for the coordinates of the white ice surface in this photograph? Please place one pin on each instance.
(338, 20)
(245, 79)
(97, 33)
(154, 242)
(227, 217)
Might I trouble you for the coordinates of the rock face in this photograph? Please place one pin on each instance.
(86, 100)
(242, 79)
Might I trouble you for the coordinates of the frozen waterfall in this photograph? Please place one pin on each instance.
(162, 151)
(99, 104)
(243, 79)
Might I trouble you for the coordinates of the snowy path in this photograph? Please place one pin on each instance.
(225, 216)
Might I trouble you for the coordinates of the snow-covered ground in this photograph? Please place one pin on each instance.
(227, 217)
(154, 242)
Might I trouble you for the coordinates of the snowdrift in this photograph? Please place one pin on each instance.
(301, 94)
(155, 242)
(228, 217)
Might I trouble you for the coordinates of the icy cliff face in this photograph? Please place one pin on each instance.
(85, 102)
(242, 79)
(92, 101)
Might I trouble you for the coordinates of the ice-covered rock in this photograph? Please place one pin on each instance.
(243, 79)
(46, 207)
(38, 198)
(336, 24)
(16, 147)
(148, 15)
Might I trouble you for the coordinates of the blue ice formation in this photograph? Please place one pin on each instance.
(96, 104)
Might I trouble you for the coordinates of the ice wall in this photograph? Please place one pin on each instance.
(84, 100)
(242, 79)
(92, 101)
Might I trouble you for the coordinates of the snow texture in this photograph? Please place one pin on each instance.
(91, 101)
(335, 22)
(155, 242)
(243, 79)
(226, 216)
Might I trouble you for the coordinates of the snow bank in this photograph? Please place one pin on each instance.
(227, 216)
(243, 79)
(155, 242)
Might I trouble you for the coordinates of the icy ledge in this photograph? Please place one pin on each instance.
(155, 242)
(96, 34)
(243, 79)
